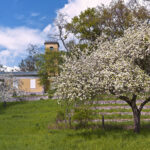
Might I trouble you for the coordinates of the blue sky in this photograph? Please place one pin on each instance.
(30, 13)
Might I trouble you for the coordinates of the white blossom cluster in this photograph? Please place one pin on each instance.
(6, 87)
(110, 68)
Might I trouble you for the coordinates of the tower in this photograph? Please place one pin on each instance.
(51, 46)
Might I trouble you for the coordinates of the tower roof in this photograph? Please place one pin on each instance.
(51, 42)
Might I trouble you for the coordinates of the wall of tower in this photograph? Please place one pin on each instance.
(55, 46)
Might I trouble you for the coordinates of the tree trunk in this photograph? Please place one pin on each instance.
(136, 115)
(136, 111)
(4, 104)
(69, 118)
(103, 124)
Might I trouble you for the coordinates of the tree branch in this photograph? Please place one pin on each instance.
(61, 38)
(142, 104)
(126, 99)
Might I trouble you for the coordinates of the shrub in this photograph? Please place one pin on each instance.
(51, 93)
(82, 115)
(60, 116)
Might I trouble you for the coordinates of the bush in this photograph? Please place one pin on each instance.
(82, 115)
(14, 94)
(51, 93)
(60, 117)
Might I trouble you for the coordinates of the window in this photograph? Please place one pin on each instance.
(51, 48)
(32, 83)
(15, 84)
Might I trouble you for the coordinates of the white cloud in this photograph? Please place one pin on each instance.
(47, 29)
(19, 16)
(74, 7)
(34, 14)
(43, 18)
(4, 55)
(14, 42)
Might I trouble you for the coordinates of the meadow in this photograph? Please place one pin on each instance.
(26, 126)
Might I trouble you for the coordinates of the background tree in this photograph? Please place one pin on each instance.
(111, 69)
(60, 23)
(1, 68)
(48, 67)
(29, 63)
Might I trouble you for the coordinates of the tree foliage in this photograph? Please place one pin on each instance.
(48, 67)
(86, 25)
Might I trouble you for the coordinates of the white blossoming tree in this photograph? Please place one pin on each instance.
(114, 67)
(7, 87)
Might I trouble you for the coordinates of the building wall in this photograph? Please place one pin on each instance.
(25, 85)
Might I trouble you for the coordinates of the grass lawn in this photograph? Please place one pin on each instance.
(25, 126)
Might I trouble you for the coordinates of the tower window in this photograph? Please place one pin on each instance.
(51, 48)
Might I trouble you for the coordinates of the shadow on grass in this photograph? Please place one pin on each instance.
(4, 107)
(99, 132)
(115, 131)
(145, 129)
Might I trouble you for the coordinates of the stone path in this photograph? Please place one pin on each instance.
(121, 113)
(27, 98)
(114, 102)
(119, 120)
(115, 107)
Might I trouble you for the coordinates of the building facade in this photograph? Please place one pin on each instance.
(25, 82)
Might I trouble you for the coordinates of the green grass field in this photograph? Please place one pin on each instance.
(25, 126)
